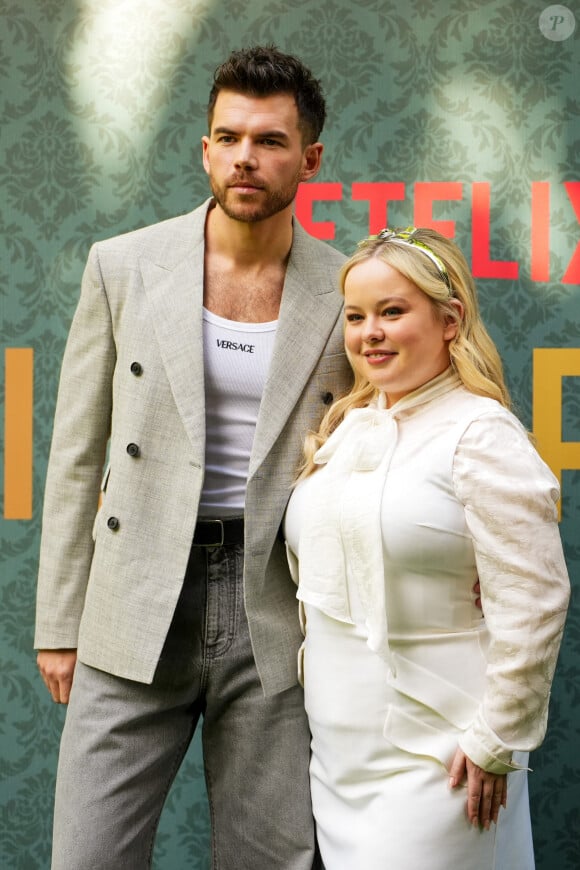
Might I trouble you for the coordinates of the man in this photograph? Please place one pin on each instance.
(202, 350)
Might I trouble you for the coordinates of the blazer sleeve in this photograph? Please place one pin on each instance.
(77, 456)
(510, 496)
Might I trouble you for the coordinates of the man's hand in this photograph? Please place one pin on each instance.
(486, 792)
(57, 667)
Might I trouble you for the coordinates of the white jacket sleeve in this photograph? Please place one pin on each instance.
(510, 499)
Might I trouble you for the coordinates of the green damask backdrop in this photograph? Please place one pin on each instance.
(102, 106)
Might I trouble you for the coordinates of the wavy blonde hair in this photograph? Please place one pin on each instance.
(473, 353)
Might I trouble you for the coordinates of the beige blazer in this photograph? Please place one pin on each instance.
(132, 384)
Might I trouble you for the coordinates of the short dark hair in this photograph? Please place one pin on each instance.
(261, 71)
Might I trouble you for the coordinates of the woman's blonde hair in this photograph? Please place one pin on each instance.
(437, 267)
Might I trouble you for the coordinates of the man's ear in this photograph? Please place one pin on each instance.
(204, 149)
(312, 160)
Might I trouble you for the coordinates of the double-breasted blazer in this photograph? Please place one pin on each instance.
(131, 399)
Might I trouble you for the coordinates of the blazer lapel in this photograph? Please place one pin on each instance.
(308, 313)
(175, 296)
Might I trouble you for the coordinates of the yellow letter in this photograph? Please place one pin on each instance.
(550, 366)
(18, 433)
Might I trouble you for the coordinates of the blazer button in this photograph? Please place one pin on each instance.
(113, 523)
(136, 369)
(327, 398)
(133, 449)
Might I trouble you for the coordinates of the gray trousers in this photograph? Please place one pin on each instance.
(123, 743)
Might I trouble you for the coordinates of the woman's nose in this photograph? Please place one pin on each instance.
(373, 330)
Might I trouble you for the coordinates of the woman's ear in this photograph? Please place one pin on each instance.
(451, 323)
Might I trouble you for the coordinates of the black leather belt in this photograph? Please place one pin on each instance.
(219, 533)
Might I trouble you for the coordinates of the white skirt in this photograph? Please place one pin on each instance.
(376, 806)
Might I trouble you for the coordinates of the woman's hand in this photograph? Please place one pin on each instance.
(486, 792)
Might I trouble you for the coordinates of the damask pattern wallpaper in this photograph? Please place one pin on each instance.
(461, 113)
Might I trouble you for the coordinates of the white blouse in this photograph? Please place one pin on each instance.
(413, 504)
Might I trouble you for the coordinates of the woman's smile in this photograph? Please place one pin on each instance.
(393, 335)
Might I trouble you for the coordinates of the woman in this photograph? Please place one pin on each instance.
(418, 482)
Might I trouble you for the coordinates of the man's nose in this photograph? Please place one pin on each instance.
(246, 155)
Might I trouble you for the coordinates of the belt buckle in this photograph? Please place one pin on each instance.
(221, 525)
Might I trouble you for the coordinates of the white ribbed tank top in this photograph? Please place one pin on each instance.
(236, 361)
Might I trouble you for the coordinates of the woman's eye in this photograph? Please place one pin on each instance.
(392, 312)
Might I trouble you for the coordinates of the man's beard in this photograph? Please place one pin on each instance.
(270, 204)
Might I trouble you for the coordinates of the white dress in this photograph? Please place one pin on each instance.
(399, 668)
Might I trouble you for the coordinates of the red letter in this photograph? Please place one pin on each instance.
(378, 194)
(425, 193)
(482, 266)
(572, 275)
(306, 195)
(540, 265)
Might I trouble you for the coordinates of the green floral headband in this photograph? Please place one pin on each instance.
(406, 236)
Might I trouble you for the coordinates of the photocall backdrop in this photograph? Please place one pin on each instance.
(461, 114)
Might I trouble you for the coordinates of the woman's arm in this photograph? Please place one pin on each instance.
(510, 498)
